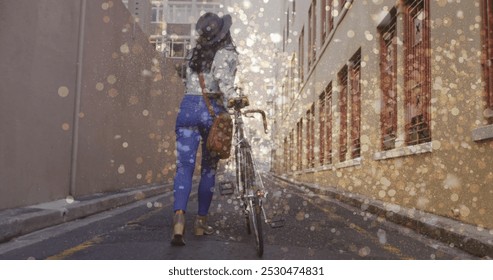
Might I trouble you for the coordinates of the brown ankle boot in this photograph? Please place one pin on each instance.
(201, 227)
(177, 238)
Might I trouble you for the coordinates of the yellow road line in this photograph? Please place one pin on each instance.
(69, 252)
(98, 239)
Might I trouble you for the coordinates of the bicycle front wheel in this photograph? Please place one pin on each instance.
(247, 177)
(256, 220)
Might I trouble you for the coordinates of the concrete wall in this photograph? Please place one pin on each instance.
(78, 119)
(451, 175)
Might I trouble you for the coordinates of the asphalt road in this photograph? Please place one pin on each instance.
(316, 228)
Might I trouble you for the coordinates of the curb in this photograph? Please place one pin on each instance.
(471, 239)
(20, 221)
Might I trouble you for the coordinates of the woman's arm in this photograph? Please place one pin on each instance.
(224, 71)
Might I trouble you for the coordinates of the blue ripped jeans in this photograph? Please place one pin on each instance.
(192, 125)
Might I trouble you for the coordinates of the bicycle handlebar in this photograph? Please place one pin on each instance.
(261, 112)
(239, 103)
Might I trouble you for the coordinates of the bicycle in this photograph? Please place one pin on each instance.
(249, 187)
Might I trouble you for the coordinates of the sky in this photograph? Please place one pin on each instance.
(256, 32)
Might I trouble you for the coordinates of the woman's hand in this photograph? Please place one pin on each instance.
(239, 102)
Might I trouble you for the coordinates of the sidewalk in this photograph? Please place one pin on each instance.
(472, 239)
(20, 221)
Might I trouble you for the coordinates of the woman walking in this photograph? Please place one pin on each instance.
(215, 57)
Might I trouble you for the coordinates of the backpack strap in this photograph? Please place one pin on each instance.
(206, 98)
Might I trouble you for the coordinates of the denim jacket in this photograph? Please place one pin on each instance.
(220, 79)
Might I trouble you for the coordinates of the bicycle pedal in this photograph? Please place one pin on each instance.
(226, 188)
(277, 222)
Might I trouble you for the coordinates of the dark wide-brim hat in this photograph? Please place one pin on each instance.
(212, 28)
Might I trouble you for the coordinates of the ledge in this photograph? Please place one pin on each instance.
(404, 151)
(483, 133)
(349, 163)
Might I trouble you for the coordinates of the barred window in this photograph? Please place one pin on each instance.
(487, 7)
(312, 31)
(388, 82)
(325, 124)
(291, 150)
(326, 19)
(417, 75)
(299, 145)
(355, 89)
(343, 107)
(285, 166)
(310, 137)
(301, 58)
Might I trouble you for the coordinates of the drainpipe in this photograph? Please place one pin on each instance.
(78, 90)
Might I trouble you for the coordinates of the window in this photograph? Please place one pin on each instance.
(177, 46)
(355, 89)
(310, 137)
(326, 19)
(292, 85)
(209, 7)
(301, 56)
(157, 12)
(325, 123)
(179, 12)
(299, 145)
(286, 31)
(285, 166)
(312, 31)
(488, 57)
(343, 104)
(417, 75)
(388, 83)
(293, 9)
(291, 150)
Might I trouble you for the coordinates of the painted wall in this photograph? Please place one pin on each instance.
(79, 119)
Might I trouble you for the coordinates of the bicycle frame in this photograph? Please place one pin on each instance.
(249, 185)
(241, 143)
